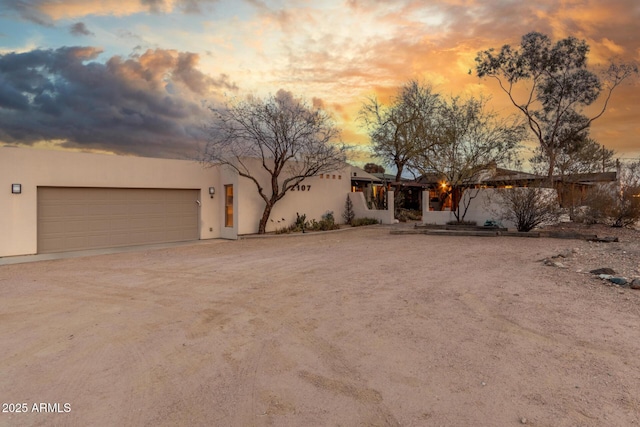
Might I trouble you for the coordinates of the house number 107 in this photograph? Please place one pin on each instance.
(301, 188)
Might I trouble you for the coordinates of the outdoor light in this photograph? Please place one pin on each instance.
(212, 191)
(16, 188)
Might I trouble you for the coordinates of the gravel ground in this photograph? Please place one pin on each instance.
(622, 256)
(356, 327)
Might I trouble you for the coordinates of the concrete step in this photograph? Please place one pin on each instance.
(493, 232)
(441, 232)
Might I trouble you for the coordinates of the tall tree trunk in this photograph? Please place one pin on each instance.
(398, 197)
(265, 217)
(552, 166)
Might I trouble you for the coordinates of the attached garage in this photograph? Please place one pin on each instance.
(90, 218)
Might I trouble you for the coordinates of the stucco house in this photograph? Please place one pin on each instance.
(439, 199)
(56, 201)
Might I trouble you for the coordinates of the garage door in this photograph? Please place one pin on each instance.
(88, 218)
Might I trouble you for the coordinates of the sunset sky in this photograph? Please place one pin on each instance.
(136, 76)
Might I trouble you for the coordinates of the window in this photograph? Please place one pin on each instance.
(228, 205)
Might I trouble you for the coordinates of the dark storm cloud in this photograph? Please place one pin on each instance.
(28, 10)
(152, 104)
(80, 29)
(46, 12)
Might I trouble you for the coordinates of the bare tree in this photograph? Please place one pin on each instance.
(551, 85)
(468, 141)
(580, 155)
(373, 168)
(399, 131)
(292, 140)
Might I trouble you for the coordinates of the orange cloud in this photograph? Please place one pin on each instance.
(70, 9)
(337, 53)
(78, 8)
(438, 43)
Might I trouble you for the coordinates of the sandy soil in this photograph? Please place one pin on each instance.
(356, 327)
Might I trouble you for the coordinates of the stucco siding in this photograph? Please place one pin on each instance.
(319, 196)
(34, 168)
(484, 206)
(361, 210)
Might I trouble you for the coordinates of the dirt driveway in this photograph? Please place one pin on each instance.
(351, 328)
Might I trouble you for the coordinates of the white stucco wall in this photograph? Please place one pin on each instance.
(33, 168)
(482, 208)
(45, 168)
(319, 196)
(361, 210)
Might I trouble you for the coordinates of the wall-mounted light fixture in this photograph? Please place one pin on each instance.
(16, 188)
(212, 191)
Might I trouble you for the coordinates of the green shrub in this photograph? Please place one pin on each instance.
(348, 213)
(301, 222)
(328, 216)
(357, 222)
(326, 223)
(284, 230)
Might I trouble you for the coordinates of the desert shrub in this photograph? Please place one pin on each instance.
(357, 222)
(328, 216)
(528, 207)
(598, 204)
(607, 204)
(300, 224)
(284, 230)
(348, 213)
(326, 223)
(404, 215)
(301, 221)
(616, 204)
(626, 213)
